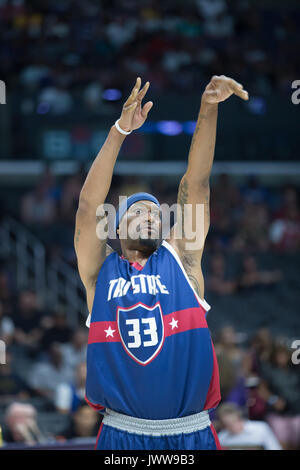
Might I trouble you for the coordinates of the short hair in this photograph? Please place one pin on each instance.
(16, 408)
(229, 409)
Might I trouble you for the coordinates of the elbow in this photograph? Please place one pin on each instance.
(84, 204)
(199, 181)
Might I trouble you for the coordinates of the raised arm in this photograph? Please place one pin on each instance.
(190, 231)
(91, 251)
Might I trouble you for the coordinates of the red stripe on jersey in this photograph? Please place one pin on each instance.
(213, 394)
(184, 320)
(176, 322)
(103, 331)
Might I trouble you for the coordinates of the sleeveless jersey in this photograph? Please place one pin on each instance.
(150, 353)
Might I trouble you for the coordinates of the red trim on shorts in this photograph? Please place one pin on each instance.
(216, 437)
(99, 432)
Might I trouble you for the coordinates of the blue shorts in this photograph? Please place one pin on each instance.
(120, 432)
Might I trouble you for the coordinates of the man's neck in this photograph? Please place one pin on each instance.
(136, 256)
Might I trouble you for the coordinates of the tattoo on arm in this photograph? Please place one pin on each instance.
(189, 262)
(207, 213)
(77, 236)
(195, 284)
(202, 117)
(182, 200)
(104, 246)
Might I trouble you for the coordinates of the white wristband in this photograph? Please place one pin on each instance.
(121, 130)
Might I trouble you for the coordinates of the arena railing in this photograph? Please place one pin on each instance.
(56, 283)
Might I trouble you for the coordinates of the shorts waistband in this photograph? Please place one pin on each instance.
(157, 427)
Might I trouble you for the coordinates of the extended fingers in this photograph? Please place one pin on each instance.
(146, 108)
(238, 89)
(143, 91)
(134, 92)
(242, 94)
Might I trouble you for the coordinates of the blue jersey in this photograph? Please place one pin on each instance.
(150, 353)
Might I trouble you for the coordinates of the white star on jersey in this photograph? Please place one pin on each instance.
(109, 332)
(173, 323)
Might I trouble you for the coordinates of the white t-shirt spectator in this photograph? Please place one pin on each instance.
(64, 395)
(72, 357)
(46, 377)
(254, 434)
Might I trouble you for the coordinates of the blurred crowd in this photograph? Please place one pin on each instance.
(51, 50)
(246, 218)
(45, 366)
(45, 374)
(260, 380)
(59, 55)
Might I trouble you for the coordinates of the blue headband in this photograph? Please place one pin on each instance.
(124, 206)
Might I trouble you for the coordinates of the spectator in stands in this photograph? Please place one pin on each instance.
(7, 296)
(21, 425)
(230, 359)
(46, 376)
(289, 199)
(58, 330)
(261, 401)
(69, 396)
(28, 323)
(258, 395)
(85, 423)
(225, 194)
(222, 232)
(38, 207)
(7, 327)
(49, 181)
(254, 192)
(285, 229)
(12, 386)
(261, 347)
(70, 195)
(240, 433)
(228, 344)
(75, 352)
(252, 229)
(217, 282)
(284, 382)
(252, 278)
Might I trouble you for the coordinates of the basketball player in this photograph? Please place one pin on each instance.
(151, 365)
